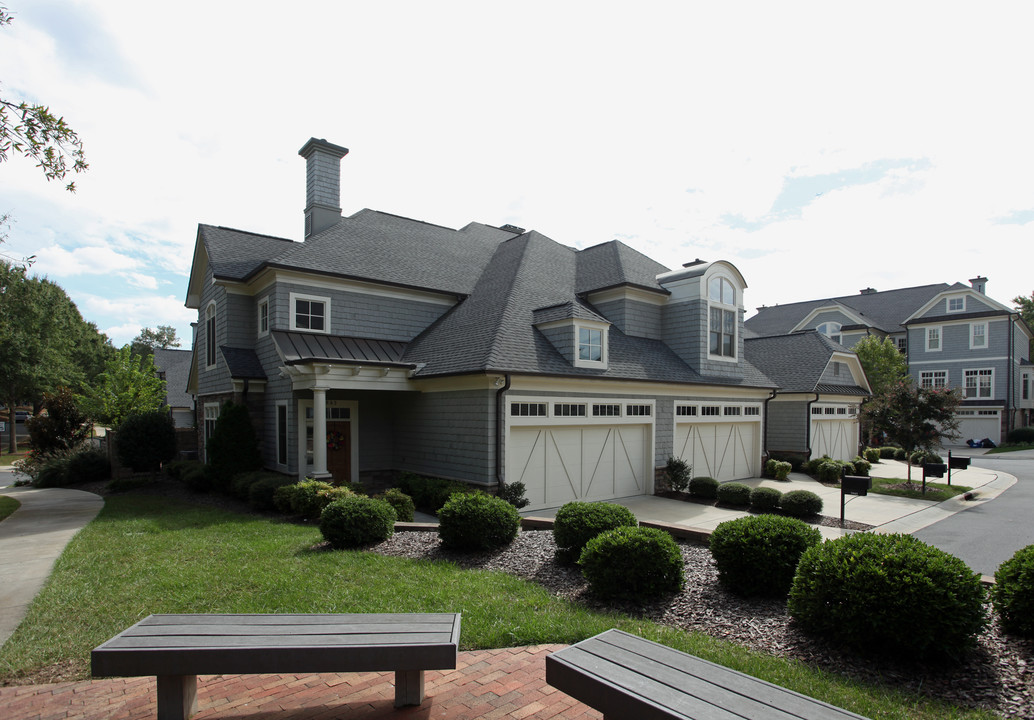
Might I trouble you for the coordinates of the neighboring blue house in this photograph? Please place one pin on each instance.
(382, 344)
(952, 335)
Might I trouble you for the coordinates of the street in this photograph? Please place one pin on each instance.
(987, 534)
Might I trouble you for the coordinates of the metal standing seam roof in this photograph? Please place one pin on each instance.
(297, 347)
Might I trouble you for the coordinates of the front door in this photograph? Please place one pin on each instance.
(339, 450)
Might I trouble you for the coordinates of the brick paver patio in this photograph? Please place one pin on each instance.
(507, 683)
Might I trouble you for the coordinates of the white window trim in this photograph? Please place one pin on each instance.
(304, 421)
(733, 307)
(295, 297)
(286, 429)
(552, 418)
(744, 412)
(263, 303)
(932, 374)
(947, 304)
(211, 332)
(836, 336)
(212, 409)
(603, 329)
(978, 373)
(940, 339)
(973, 333)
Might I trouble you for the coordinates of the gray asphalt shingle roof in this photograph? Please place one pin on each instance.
(175, 366)
(885, 311)
(796, 362)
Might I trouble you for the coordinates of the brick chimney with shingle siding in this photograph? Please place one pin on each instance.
(322, 184)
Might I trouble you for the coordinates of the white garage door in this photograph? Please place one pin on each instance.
(724, 451)
(836, 438)
(561, 464)
(977, 425)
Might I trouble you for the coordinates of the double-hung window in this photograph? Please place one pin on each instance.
(722, 318)
(978, 383)
(933, 339)
(263, 317)
(978, 336)
(933, 379)
(590, 344)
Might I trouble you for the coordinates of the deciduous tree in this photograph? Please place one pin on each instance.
(150, 340)
(1026, 307)
(128, 386)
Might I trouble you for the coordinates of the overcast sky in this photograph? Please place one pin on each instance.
(820, 147)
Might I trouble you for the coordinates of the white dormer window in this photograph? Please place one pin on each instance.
(591, 343)
(310, 313)
(830, 330)
(722, 318)
(957, 304)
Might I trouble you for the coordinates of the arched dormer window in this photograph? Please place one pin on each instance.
(830, 330)
(210, 335)
(722, 319)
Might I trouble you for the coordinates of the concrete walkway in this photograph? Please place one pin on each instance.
(32, 539)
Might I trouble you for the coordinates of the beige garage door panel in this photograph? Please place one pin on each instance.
(724, 451)
(978, 427)
(836, 438)
(562, 464)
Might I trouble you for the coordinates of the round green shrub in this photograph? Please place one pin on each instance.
(704, 487)
(402, 503)
(734, 493)
(576, 523)
(889, 452)
(88, 466)
(357, 520)
(307, 498)
(900, 454)
(888, 594)
(765, 499)
(801, 503)
(758, 555)
(924, 456)
(780, 469)
(146, 440)
(263, 490)
(860, 466)
(872, 455)
(635, 563)
(475, 521)
(829, 471)
(1013, 593)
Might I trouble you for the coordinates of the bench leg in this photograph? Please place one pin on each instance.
(409, 687)
(177, 696)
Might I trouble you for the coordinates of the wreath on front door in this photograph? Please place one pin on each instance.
(335, 440)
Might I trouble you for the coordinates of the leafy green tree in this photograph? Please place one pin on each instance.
(61, 429)
(41, 338)
(1026, 307)
(146, 440)
(883, 363)
(34, 132)
(128, 386)
(150, 340)
(913, 417)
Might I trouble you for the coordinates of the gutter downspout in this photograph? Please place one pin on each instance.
(500, 410)
(1008, 374)
(807, 424)
(764, 426)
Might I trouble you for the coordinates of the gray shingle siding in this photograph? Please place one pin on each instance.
(634, 318)
(216, 379)
(787, 426)
(562, 338)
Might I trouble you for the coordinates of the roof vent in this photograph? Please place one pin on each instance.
(698, 261)
(512, 228)
(868, 291)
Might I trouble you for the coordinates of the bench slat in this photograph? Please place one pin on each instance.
(627, 676)
(276, 641)
(285, 630)
(253, 619)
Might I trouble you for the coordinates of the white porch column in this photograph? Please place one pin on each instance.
(319, 433)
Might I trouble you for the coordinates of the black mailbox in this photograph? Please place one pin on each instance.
(934, 469)
(958, 463)
(856, 484)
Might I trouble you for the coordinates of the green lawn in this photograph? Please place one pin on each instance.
(7, 506)
(144, 555)
(936, 491)
(1010, 448)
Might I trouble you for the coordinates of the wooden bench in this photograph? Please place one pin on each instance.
(625, 676)
(178, 648)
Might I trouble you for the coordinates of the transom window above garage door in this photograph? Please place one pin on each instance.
(713, 411)
(834, 411)
(582, 411)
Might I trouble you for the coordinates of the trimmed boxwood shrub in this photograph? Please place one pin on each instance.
(1013, 593)
(88, 465)
(734, 493)
(357, 520)
(871, 454)
(778, 469)
(430, 493)
(576, 523)
(860, 466)
(924, 456)
(830, 471)
(307, 498)
(704, 487)
(888, 594)
(475, 521)
(801, 503)
(758, 555)
(765, 499)
(1018, 436)
(263, 490)
(888, 452)
(402, 503)
(634, 563)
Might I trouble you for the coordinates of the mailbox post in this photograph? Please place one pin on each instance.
(956, 463)
(852, 485)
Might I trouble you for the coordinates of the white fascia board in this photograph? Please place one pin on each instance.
(968, 292)
(326, 282)
(198, 270)
(627, 293)
(857, 372)
(533, 383)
